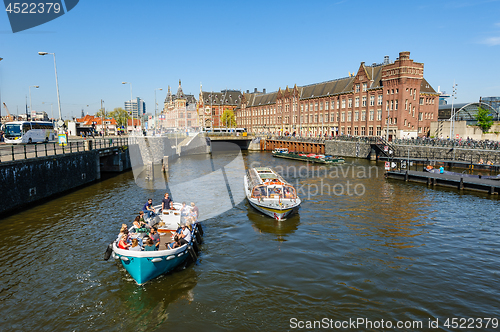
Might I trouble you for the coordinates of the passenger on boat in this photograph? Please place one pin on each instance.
(165, 202)
(185, 236)
(148, 208)
(195, 211)
(175, 244)
(123, 231)
(135, 245)
(141, 215)
(139, 227)
(150, 246)
(441, 170)
(155, 237)
(123, 242)
(185, 210)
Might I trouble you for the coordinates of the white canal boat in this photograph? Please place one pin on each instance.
(270, 194)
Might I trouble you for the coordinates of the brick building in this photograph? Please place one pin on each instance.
(211, 105)
(393, 97)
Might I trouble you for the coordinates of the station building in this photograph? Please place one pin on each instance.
(391, 97)
(211, 105)
(179, 110)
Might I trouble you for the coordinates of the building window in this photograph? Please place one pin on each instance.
(357, 88)
(397, 90)
(349, 104)
(356, 116)
(387, 105)
(356, 102)
(342, 130)
(363, 115)
(321, 106)
(379, 100)
(364, 87)
(316, 118)
(379, 131)
(372, 100)
(310, 118)
(371, 116)
(364, 102)
(326, 105)
(355, 131)
(396, 104)
(342, 118)
(348, 130)
(406, 105)
(301, 119)
(349, 116)
(343, 103)
(363, 131)
(419, 130)
(379, 115)
(370, 131)
(321, 118)
(332, 117)
(338, 102)
(421, 101)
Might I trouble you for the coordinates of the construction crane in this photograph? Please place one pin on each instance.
(8, 117)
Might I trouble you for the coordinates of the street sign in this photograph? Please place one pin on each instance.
(386, 148)
(387, 166)
(60, 123)
(458, 136)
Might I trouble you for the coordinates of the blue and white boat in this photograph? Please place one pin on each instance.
(146, 265)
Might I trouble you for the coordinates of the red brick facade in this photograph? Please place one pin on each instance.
(359, 105)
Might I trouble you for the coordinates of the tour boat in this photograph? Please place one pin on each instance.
(269, 193)
(146, 265)
(311, 157)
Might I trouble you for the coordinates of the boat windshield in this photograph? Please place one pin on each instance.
(259, 191)
(274, 192)
(12, 130)
(289, 192)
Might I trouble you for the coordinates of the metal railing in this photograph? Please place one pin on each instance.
(12, 152)
(438, 142)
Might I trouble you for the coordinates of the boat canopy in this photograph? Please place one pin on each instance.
(265, 183)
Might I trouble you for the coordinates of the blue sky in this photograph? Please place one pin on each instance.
(241, 45)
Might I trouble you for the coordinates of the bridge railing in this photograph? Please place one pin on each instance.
(12, 152)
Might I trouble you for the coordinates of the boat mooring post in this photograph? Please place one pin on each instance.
(164, 167)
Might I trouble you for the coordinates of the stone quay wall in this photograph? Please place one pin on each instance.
(366, 150)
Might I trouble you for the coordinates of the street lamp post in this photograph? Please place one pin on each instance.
(0, 101)
(32, 86)
(156, 117)
(57, 84)
(452, 119)
(132, 105)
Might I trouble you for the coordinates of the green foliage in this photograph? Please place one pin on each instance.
(228, 119)
(484, 119)
(100, 113)
(120, 115)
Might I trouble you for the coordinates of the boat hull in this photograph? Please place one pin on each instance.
(312, 160)
(144, 268)
(278, 214)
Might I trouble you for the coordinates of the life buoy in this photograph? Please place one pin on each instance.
(109, 251)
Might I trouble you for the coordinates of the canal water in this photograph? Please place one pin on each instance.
(361, 248)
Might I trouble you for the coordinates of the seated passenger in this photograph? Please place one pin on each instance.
(155, 237)
(135, 245)
(185, 236)
(150, 246)
(123, 243)
(148, 208)
(174, 244)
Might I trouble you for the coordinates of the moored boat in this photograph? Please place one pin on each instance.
(310, 157)
(269, 193)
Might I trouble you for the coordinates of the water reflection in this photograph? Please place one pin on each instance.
(262, 223)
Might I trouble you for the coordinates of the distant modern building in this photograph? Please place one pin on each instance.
(389, 98)
(179, 111)
(132, 107)
(211, 106)
(494, 102)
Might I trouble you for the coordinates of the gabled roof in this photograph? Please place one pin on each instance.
(225, 97)
(425, 87)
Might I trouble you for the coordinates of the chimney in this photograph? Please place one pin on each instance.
(263, 90)
(254, 90)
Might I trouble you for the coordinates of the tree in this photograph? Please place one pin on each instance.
(484, 119)
(120, 115)
(228, 119)
(100, 113)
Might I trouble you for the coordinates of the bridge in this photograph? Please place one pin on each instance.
(243, 141)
